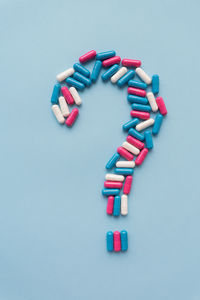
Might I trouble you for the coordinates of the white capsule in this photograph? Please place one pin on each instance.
(131, 148)
(114, 177)
(122, 71)
(125, 164)
(124, 205)
(75, 95)
(145, 124)
(63, 106)
(141, 73)
(57, 112)
(62, 76)
(152, 101)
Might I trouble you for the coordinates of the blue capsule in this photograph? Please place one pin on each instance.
(141, 107)
(79, 68)
(109, 240)
(130, 124)
(136, 134)
(137, 84)
(82, 79)
(110, 192)
(105, 55)
(124, 171)
(155, 84)
(124, 79)
(124, 240)
(77, 84)
(137, 99)
(110, 164)
(117, 206)
(157, 124)
(96, 70)
(110, 72)
(148, 139)
(55, 93)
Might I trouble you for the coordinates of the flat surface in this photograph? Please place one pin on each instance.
(52, 214)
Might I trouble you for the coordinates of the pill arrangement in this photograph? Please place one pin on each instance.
(139, 139)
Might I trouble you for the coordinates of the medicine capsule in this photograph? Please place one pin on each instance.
(96, 70)
(124, 240)
(140, 114)
(62, 76)
(137, 84)
(136, 134)
(117, 206)
(72, 117)
(152, 101)
(117, 241)
(140, 72)
(63, 106)
(144, 124)
(125, 164)
(137, 99)
(105, 55)
(86, 81)
(148, 139)
(110, 164)
(55, 93)
(157, 124)
(114, 177)
(141, 107)
(110, 192)
(138, 144)
(75, 83)
(139, 160)
(80, 69)
(155, 84)
(124, 153)
(131, 148)
(110, 205)
(161, 105)
(87, 56)
(137, 92)
(110, 241)
(127, 185)
(130, 124)
(131, 62)
(111, 61)
(113, 184)
(57, 112)
(67, 95)
(124, 205)
(75, 95)
(124, 171)
(124, 79)
(119, 74)
(111, 71)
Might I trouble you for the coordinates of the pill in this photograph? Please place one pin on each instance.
(78, 76)
(63, 106)
(62, 76)
(137, 84)
(111, 71)
(148, 139)
(155, 84)
(124, 240)
(137, 99)
(136, 106)
(109, 241)
(139, 160)
(87, 56)
(114, 177)
(125, 164)
(152, 101)
(127, 185)
(72, 117)
(75, 95)
(138, 144)
(124, 205)
(130, 124)
(144, 124)
(110, 164)
(117, 206)
(119, 74)
(78, 85)
(110, 192)
(131, 148)
(161, 105)
(67, 95)
(124, 153)
(131, 62)
(157, 124)
(117, 241)
(124, 79)
(113, 184)
(96, 70)
(142, 75)
(111, 61)
(57, 112)
(140, 114)
(110, 205)
(55, 93)
(124, 171)
(105, 55)
(79, 68)
(136, 134)
(137, 92)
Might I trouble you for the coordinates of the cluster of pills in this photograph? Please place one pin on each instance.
(117, 241)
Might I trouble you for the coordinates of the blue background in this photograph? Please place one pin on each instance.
(52, 215)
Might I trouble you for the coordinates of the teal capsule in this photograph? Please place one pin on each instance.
(109, 241)
(148, 139)
(55, 93)
(141, 107)
(157, 124)
(105, 55)
(111, 163)
(124, 240)
(155, 84)
(110, 72)
(137, 99)
(136, 134)
(96, 70)
(110, 192)
(130, 124)
(77, 84)
(82, 79)
(117, 206)
(79, 68)
(124, 79)
(124, 171)
(137, 84)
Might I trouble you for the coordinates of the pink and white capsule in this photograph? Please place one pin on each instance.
(117, 241)
(122, 71)
(137, 92)
(139, 160)
(63, 106)
(125, 164)
(110, 205)
(128, 184)
(161, 105)
(72, 117)
(131, 63)
(144, 124)
(131, 148)
(124, 205)
(75, 95)
(138, 144)
(87, 56)
(114, 177)
(57, 112)
(62, 76)
(152, 101)
(141, 73)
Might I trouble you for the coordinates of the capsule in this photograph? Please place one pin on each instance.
(72, 117)
(105, 55)
(63, 106)
(124, 205)
(62, 76)
(75, 83)
(80, 69)
(117, 241)
(143, 125)
(140, 114)
(111, 163)
(67, 95)
(136, 92)
(157, 124)
(109, 241)
(96, 70)
(141, 107)
(57, 112)
(127, 185)
(114, 177)
(86, 81)
(111, 71)
(148, 139)
(131, 148)
(87, 56)
(55, 93)
(131, 63)
(111, 61)
(110, 205)
(117, 206)
(161, 105)
(124, 79)
(152, 101)
(137, 99)
(137, 84)
(125, 164)
(113, 184)
(155, 84)
(124, 171)
(119, 74)
(110, 192)
(139, 160)
(138, 144)
(124, 240)
(136, 134)
(130, 124)
(75, 95)
(124, 153)
(142, 75)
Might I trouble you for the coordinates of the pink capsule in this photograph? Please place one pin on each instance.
(137, 92)
(133, 141)
(131, 63)
(127, 185)
(72, 117)
(139, 160)
(67, 95)
(117, 241)
(111, 61)
(124, 153)
(161, 105)
(113, 184)
(110, 205)
(87, 56)
(140, 114)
